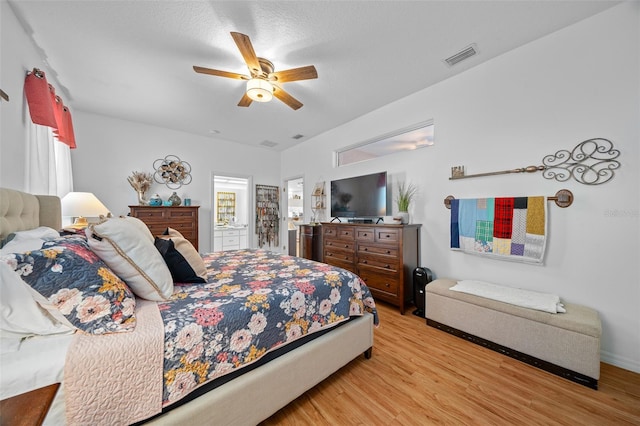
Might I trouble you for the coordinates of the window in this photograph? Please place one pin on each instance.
(410, 138)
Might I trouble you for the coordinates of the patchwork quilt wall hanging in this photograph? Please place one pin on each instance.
(507, 228)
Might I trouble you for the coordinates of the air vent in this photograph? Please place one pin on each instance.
(298, 136)
(465, 53)
(269, 144)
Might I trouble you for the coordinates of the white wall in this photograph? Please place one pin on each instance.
(579, 83)
(110, 149)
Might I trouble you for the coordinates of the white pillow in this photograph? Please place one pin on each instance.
(32, 239)
(20, 314)
(125, 244)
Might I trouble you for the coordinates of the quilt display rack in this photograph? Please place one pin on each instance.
(563, 199)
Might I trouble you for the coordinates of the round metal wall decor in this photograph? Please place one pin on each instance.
(172, 171)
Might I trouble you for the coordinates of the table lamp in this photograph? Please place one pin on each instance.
(82, 205)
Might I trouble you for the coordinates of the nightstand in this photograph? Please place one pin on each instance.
(29, 408)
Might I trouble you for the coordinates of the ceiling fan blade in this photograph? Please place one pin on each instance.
(245, 101)
(295, 74)
(246, 49)
(286, 98)
(219, 73)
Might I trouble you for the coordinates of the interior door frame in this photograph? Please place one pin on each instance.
(250, 203)
(285, 208)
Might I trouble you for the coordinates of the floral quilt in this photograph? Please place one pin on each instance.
(253, 302)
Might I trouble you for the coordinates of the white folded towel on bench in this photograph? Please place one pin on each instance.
(515, 296)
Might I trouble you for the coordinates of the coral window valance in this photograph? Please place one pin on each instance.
(46, 108)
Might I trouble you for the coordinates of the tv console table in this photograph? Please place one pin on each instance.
(384, 256)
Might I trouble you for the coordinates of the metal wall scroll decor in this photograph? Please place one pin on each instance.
(172, 171)
(591, 162)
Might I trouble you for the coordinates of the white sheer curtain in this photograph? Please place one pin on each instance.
(48, 168)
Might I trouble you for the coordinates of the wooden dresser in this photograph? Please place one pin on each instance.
(311, 242)
(183, 219)
(384, 256)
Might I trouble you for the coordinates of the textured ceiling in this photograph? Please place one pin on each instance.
(133, 59)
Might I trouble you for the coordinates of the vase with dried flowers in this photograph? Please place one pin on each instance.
(141, 182)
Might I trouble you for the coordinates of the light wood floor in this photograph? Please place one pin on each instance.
(419, 375)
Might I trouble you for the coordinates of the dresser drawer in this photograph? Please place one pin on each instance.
(329, 231)
(228, 241)
(380, 262)
(149, 214)
(335, 261)
(365, 234)
(187, 232)
(375, 280)
(157, 228)
(181, 213)
(342, 256)
(337, 245)
(346, 233)
(387, 235)
(182, 227)
(364, 249)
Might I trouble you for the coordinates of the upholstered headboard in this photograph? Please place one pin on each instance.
(20, 211)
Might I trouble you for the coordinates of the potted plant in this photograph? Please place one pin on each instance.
(406, 193)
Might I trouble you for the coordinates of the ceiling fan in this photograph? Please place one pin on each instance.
(263, 83)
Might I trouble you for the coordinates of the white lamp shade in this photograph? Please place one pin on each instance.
(259, 90)
(82, 204)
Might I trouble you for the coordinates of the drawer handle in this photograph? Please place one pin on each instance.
(387, 236)
(388, 251)
(387, 285)
(364, 261)
(365, 234)
(346, 246)
(387, 266)
(366, 249)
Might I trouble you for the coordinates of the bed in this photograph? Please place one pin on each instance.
(242, 385)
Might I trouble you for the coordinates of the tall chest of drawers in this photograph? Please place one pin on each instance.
(384, 256)
(183, 219)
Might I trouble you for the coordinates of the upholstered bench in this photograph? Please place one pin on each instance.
(565, 344)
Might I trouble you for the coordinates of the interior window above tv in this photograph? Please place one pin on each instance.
(419, 135)
(360, 196)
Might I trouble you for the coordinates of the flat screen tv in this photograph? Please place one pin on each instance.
(360, 196)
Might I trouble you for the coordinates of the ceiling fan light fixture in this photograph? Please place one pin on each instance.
(259, 90)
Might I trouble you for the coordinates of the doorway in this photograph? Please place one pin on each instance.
(295, 213)
(230, 212)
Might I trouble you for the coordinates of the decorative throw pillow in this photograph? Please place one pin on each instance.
(20, 315)
(125, 244)
(183, 260)
(74, 282)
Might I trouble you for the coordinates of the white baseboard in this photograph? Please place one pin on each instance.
(618, 361)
